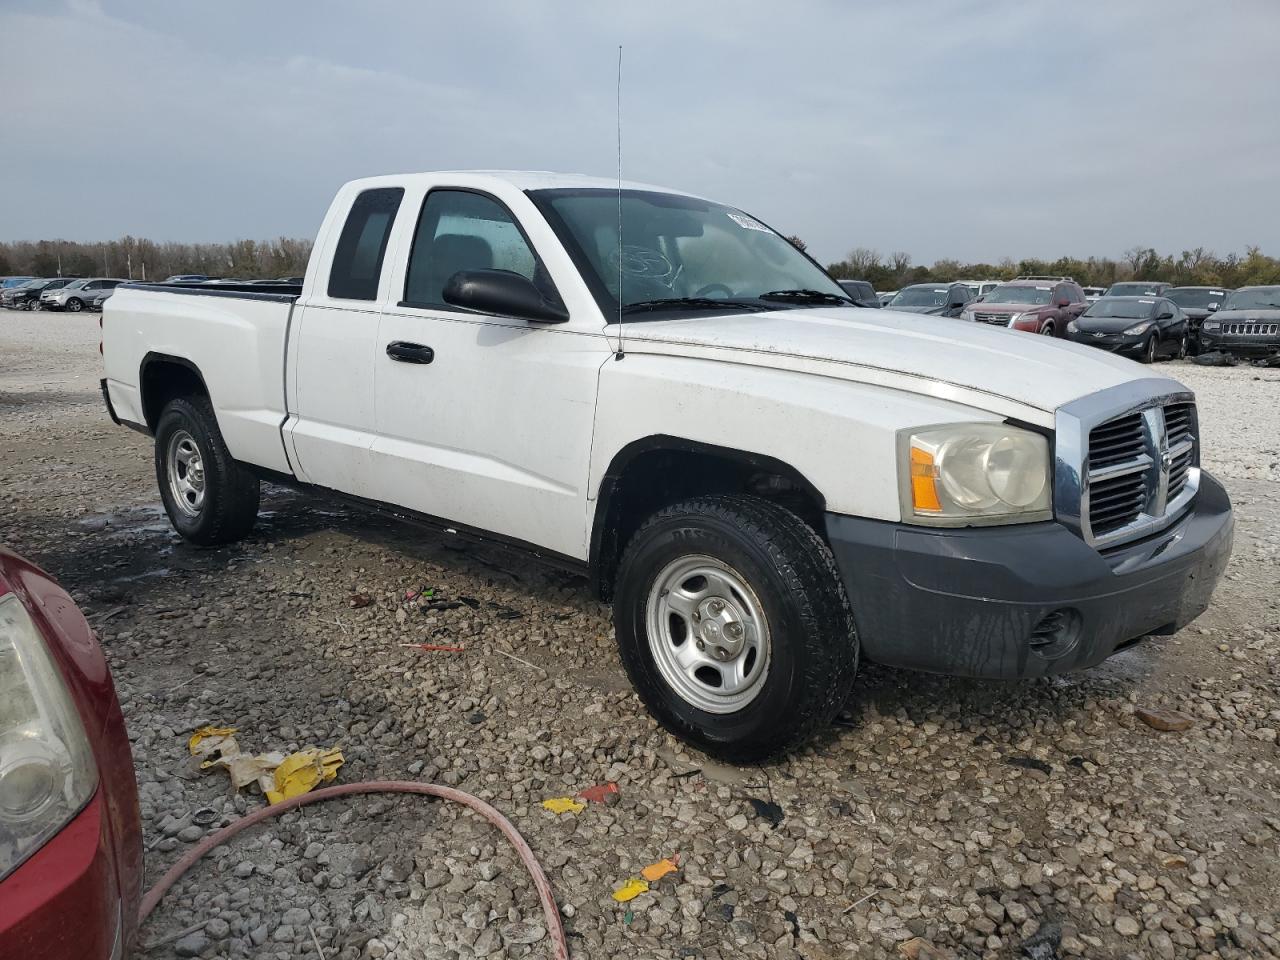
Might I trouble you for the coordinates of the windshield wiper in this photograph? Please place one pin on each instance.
(690, 303)
(806, 296)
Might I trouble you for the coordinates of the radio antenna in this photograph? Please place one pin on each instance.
(618, 113)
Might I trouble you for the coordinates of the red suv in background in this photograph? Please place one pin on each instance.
(1042, 305)
(70, 833)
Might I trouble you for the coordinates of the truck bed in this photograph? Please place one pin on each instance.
(235, 335)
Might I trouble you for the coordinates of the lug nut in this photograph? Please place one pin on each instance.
(715, 606)
(702, 645)
(734, 630)
(720, 653)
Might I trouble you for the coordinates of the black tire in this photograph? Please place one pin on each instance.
(1150, 349)
(1048, 330)
(813, 656)
(230, 492)
(75, 304)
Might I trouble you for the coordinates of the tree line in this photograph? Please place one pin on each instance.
(1198, 267)
(141, 259)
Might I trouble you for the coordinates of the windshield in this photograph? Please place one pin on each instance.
(1019, 295)
(1125, 309)
(923, 296)
(676, 248)
(15, 282)
(76, 284)
(1259, 298)
(1194, 297)
(1133, 290)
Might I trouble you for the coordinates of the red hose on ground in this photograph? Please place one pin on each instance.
(555, 928)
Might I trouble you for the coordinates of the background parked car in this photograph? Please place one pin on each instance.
(885, 296)
(186, 278)
(1247, 323)
(1094, 293)
(70, 835)
(934, 299)
(27, 296)
(981, 288)
(1138, 288)
(863, 294)
(9, 282)
(1197, 303)
(99, 297)
(1145, 328)
(76, 295)
(1034, 306)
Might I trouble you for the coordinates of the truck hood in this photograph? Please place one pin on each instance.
(923, 309)
(950, 359)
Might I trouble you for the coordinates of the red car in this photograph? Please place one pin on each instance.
(1042, 305)
(70, 832)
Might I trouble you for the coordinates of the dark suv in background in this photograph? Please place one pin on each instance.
(861, 292)
(1247, 324)
(27, 296)
(1138, 288)
(1197, 303)
(1043, 305)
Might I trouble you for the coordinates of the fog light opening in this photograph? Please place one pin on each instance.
(1056, 634)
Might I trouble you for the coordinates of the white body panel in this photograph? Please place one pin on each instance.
(513, 425)
(236, 343)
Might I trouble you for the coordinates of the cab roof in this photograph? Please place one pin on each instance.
(520, 179)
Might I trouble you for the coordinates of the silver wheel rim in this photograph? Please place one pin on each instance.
(73, 305)
(708, 634)
(1046, 330)
(185, 469)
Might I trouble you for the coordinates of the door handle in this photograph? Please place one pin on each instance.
(407, 352)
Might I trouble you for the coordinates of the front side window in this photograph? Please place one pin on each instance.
(357, 260)
(459, 230)
(644, 252)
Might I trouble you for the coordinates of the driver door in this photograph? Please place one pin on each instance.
(484, 420)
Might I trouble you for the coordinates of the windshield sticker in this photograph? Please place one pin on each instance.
(742, 220)
(1042, 288)
(943, 290)
(1215, 293)
(1146, 301)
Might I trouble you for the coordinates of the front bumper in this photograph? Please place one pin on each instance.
(1241, 346)
(1026, 600)
(64, 902)
(1122, 343)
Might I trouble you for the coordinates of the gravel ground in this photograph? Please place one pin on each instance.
(1040, 819)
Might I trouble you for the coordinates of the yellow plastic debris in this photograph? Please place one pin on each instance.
(300, 772)
(215, 735)
(564, 805)
(656, 871)
(630, 890)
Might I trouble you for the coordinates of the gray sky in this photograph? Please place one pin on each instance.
(972, 129)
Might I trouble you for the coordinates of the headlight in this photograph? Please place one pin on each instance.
(1029, 317)
(47, 772)
(1138, 329)
(1072, 327)
(1211, 325)
(974, 473)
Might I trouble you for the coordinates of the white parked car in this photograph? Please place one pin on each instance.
(767, 482)
(981, 288)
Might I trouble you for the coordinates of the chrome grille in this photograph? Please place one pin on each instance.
(996, 319)
(1251, 329)
(1125, 473)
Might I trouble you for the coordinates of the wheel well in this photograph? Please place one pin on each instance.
(163, 378)
(649, 474)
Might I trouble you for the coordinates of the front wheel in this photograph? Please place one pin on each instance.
(75, 304)
(1048, 330)
(209, 497)
(1150, 349)
(733, 625)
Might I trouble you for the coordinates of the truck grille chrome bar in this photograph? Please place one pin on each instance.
(1127, 462)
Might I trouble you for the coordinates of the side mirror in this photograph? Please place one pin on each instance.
(1166, 315)
(502, 292)
(1213, 307)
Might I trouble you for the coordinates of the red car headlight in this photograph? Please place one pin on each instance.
(47, 770)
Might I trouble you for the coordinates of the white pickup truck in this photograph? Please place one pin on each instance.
(766, 480)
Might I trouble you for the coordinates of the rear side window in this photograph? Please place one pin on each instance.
(357, 261)
(459, 230)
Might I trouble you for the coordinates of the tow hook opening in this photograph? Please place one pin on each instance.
(1056, 634)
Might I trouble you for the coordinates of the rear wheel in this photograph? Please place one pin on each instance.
(733, 625)
(75, 304)
(209, 497)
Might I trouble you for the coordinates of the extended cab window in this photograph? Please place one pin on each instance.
(460, 230)
(357, 261)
